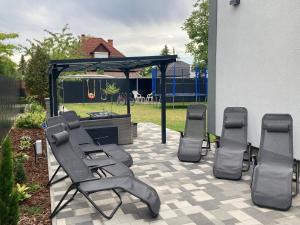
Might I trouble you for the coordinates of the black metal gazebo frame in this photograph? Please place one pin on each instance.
(125, 65)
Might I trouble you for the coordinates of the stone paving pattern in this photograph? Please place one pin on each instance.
(189, 192)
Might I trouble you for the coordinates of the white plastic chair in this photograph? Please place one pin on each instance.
(138, 97)
(149, 97)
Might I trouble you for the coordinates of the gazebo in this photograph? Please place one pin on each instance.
(124, 64)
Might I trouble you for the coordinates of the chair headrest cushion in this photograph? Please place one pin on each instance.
(61, 137)
(280, 127)
(73, 124)
(233, 123)
(195, 115)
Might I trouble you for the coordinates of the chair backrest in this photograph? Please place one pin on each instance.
(70, 116)
(195, 125)
(78, 134)
(66, 155)
(135, 93)
(276, 144)
(235, 125)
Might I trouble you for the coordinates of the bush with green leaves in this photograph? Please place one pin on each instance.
(9, 206)
(20, 176)
(22, 192)
(20, 157)
(25, 143)
(34, 107)
(30, 120)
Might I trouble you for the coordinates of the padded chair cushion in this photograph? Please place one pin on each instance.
(195, 115)
(73, 124)
(233, 123)
(61, 137)
(280, 127)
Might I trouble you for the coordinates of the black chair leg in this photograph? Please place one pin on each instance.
(100, 211)
(51, 182)
(58, 208)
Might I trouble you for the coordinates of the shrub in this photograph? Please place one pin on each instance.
(33, 187)
(20, 176)
(30, 120)
(25, 142)
(22, 192)
(20, 157)
(34, 107)
(9, 207)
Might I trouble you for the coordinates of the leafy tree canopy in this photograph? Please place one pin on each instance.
(196, 27)
(7, 49)
(61, 45)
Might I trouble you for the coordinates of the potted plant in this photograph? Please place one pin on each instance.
(111, 90)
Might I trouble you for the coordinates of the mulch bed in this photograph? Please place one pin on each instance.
(36, 173)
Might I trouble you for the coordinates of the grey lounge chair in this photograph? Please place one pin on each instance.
(84, 181)
(102, 163)
(87, 144)
(229, 157)
(272, 177)
(191, 141)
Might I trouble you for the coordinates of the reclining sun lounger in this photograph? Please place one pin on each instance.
(272, 177)
(87, 144)
(102, 163)
(190, 145)
(229, 157)
(84, 181)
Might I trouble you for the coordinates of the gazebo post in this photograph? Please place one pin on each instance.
(127, 91)
(53, 75)
(163, 68)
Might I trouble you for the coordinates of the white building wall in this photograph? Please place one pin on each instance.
(258, 62)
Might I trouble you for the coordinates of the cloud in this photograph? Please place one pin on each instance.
(138, 27)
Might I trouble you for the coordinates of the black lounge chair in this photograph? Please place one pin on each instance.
(104, 164)
(271, 185)
(87, 144)
(229, 157)
(191, 141)
(84, 181)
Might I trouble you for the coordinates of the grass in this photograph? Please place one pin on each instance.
(139, 112)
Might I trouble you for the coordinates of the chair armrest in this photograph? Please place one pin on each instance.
(85, 180)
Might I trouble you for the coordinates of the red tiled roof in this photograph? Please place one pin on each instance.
(89, 44)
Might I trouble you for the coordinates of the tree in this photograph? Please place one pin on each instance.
(61, 45)
(196, 27)
(36, 76)
(9, 207)
(7, 49)
(7, 66)
(22, 66)
(165, 51)
(111, 90)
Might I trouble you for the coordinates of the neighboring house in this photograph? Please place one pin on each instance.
(182, 69)
(93, 47)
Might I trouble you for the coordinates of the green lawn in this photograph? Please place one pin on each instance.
(139, 112)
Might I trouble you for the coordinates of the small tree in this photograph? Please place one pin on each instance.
(22, 66)
(36, 77)
(196, 27)
(165, 51)
(111, 90)
(9, 207)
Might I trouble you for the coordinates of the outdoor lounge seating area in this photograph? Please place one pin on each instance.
(188, 192)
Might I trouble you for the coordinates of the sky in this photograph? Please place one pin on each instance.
(138, 27)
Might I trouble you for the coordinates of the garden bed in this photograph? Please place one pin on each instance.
(36, 209)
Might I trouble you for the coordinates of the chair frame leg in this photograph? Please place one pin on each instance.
(207, 147)
(297, 178)
(58, 208)
(51, 182)
(99, 210)
(249, 153)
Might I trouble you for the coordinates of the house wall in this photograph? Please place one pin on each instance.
(258, 62)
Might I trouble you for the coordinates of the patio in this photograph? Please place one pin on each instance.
(189, 192)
